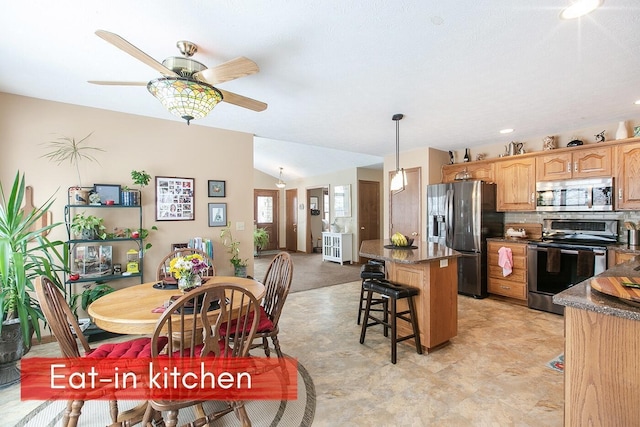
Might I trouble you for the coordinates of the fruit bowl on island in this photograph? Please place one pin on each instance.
(399, 240)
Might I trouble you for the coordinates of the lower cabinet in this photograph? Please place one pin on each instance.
(515, 284)
(618, 257)
(337, 247)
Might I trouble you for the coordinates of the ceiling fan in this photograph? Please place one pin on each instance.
(187, 86)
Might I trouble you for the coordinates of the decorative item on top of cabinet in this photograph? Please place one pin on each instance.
(548, 143)
(600, 137)
(513, 285)
(622, 132)
(467, 156)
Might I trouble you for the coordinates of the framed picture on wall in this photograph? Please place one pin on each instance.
(217, 188)
(175, 199)
(217, 214)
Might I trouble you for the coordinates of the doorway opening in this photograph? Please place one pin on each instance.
(317, 217)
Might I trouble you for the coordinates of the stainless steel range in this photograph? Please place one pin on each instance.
(570, 251)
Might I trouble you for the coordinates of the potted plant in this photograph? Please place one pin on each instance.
(25, 253)
(87, 227)
(89, 295)
(260, 239)
(140, 233)
(68, 149)
(233, 247)
(132, 197)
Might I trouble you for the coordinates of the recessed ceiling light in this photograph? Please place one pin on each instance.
(506, 131)
(580, 8)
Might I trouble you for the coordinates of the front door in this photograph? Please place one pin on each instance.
(292, 219)
(265, 215)
(405, 206)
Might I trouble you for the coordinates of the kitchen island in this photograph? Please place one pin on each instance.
(602, 344)
(433, 269)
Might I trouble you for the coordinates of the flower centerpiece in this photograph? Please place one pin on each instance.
(187, 270)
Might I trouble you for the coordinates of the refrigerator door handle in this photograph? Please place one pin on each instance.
(449, 217)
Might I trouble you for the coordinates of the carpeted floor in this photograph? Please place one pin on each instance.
(309, 271)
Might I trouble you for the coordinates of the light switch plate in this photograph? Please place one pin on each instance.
(240, 225)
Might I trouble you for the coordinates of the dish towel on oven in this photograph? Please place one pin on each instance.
(586, 259)
(505, 260)
(553, 260)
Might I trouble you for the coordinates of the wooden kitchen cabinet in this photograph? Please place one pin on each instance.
(478, 171)
(627, 176)
(616, 257)
(515, 284)
(516, 184)
(582, 163)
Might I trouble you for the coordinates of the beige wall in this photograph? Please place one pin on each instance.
(160, 147)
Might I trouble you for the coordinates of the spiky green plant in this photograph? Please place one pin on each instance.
(68, 149)
(25, 253)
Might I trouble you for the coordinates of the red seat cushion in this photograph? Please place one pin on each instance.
(139, 347)
(264, 325)
(198, 349)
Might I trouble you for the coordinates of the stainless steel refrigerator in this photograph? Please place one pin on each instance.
(461, 215)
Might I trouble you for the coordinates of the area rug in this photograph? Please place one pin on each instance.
(557, 364)
(284, 413)
(309, 271)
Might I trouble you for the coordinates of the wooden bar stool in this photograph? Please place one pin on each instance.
(373, 269)
(392, 292)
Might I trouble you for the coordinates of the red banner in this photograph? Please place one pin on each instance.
(250, 378)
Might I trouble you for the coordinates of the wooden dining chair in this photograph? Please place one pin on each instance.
(66, 330)
(277, 282)
(162, 271)
(207, 307)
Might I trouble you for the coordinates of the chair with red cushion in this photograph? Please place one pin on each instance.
(207, 307)
(65, 328)
(277, 282)
(162, 272)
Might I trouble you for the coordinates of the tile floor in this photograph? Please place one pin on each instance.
(492, 374)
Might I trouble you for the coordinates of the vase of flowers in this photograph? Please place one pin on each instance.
(187, 270)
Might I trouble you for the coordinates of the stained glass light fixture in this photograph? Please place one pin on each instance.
(184, 97)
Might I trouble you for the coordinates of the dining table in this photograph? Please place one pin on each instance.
(136, 309)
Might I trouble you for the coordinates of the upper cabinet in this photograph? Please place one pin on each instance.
(627, 176)
(583, 163)
(516, 184)
(478, 170)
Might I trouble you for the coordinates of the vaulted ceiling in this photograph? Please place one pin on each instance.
(334, 72)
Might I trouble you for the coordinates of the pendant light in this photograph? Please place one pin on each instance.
(399, 180)
(281, 183)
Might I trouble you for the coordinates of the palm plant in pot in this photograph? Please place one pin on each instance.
(260, 239)
(25, 253)
(68, 149)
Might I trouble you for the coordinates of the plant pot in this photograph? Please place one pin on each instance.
(12, 348)
(240, 271)
(78, 196)
(88, 234)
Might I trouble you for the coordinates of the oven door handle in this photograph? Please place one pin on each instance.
(572, 252)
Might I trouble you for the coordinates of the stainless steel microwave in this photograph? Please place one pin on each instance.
(585, 195)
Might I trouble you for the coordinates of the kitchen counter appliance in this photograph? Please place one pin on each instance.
(570, 251)
(461, 215)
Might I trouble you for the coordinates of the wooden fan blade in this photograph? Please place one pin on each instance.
(230, 70)
(108, 83)
(121, 43)
(242, 101)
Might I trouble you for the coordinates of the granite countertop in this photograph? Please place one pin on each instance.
(425, 252)
(583, 297)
